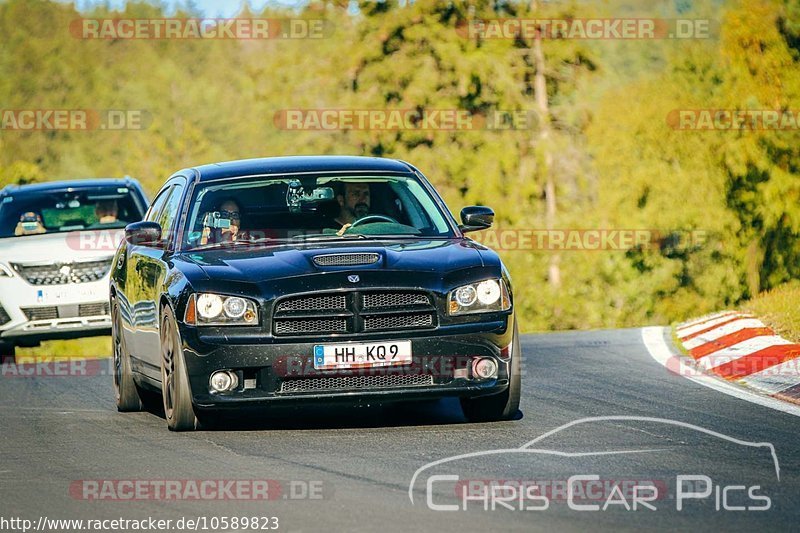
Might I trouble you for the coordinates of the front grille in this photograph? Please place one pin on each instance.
(353, 312)
(355, 382)
(346, 259)
(93, 309)
(300, 326)
(47, 312)
(374, 300)
(314, 303)
(52, 312)
(64, 273)
(387, 322)
(4, 318)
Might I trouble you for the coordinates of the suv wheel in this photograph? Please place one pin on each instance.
(125, 388)
(6, 351)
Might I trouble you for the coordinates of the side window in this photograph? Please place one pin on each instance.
(172, 207)
(155, 208)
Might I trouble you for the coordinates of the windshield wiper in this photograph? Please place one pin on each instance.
(333, 237)
(361, 236)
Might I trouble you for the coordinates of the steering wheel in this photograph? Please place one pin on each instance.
(369, 219)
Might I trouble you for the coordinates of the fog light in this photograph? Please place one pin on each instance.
(223, 381)
(484, 368)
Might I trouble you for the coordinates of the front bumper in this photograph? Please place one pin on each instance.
(33, 313)
(274, 373)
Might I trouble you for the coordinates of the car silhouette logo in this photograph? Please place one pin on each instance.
(353, 278)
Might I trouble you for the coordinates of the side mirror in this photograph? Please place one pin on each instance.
(143, 233)
(476, 218)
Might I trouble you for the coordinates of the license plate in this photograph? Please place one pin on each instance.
(67, 294)
(363, 355)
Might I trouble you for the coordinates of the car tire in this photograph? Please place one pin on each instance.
(503, 406)
(175, 390)
(125, 389)
(7, 351)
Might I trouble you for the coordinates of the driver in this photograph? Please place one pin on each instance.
(106, 212)
(354, 203)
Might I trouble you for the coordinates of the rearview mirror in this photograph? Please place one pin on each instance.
(296, 195)
(320, 194)
(476, 218)
(143, 233)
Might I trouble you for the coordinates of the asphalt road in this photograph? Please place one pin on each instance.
(57, 431)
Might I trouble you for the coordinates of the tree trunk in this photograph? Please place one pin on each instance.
(544, 148)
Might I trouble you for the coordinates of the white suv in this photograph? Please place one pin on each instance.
(57, 241)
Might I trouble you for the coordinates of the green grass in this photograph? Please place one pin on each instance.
(676, 341)
(86, 348)
(779, 309)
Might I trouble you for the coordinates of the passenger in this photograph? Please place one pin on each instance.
(229, 210)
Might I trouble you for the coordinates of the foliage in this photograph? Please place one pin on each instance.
(616, 159)
(778, 309)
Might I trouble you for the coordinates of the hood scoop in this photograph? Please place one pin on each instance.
(351, 259)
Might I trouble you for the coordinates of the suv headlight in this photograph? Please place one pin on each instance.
(481, 297)
(208, 309)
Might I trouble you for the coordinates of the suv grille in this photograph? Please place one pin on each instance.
(63, 273)
(48, 312)
(93, 309)
(4, 316)
(355, 382)
(353, 312)
(346, 259)
(52, 312)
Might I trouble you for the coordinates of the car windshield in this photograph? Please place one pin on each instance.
(34, 213)
(303, 208)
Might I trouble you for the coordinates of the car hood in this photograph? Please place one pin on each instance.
(275, 262)
(60, 247)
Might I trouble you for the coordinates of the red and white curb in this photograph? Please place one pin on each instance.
(740, 348)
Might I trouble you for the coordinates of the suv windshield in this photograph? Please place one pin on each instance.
(312, 207)
(34, 213)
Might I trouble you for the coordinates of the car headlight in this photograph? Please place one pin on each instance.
(207, 309)
(5, 272)
(481, 297)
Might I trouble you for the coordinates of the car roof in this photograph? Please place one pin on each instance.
(67, 185)
(300, 164)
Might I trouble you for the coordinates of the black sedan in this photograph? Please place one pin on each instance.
(282, 281)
